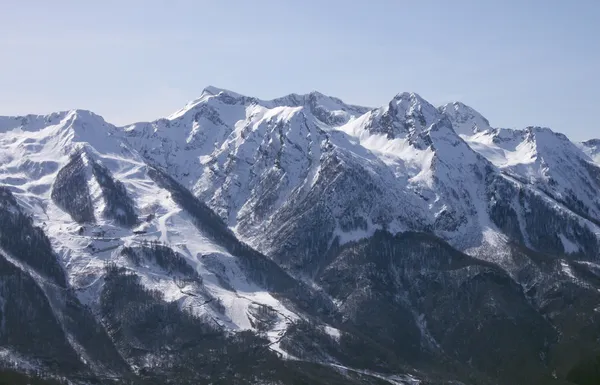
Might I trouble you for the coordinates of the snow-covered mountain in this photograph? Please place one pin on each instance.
(547, 160)
(259, 215)
(94, 196)
(259, 163)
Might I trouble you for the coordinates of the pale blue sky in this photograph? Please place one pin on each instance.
(518, 62)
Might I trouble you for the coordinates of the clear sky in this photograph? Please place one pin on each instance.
(518, 62)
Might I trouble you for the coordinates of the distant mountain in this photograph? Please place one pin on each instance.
(298, 240)
(592, 149)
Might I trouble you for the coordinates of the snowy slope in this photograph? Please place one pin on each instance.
(547, 160)
(36, 148)
(536, 156)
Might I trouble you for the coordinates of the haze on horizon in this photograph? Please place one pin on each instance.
(517, 64)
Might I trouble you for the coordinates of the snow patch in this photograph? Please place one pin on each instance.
(333, 332)
(566, 269)
(568, 245)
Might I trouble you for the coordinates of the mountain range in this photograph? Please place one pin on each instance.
(300, 240)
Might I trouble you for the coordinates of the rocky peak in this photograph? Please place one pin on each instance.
(406, 115)
(465, 120)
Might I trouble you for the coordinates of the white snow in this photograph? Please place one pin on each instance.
(333, 332)
(566, 269)
(568, 245)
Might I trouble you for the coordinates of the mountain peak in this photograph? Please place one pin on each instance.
(34, 122)
(83, 120)
(31, 122)
(327, 109)
(406, 113)
(539, 130)
(465, 120)
(84, 115)
(215, 91)
(412, 96)
(592, 142)
(411, 101)
(296, 100)
(317, 94)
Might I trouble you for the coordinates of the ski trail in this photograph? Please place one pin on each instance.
(163, 225)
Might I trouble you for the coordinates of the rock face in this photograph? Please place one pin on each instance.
(298, 240)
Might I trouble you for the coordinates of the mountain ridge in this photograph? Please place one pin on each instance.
(315, 226)
(215, 91)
